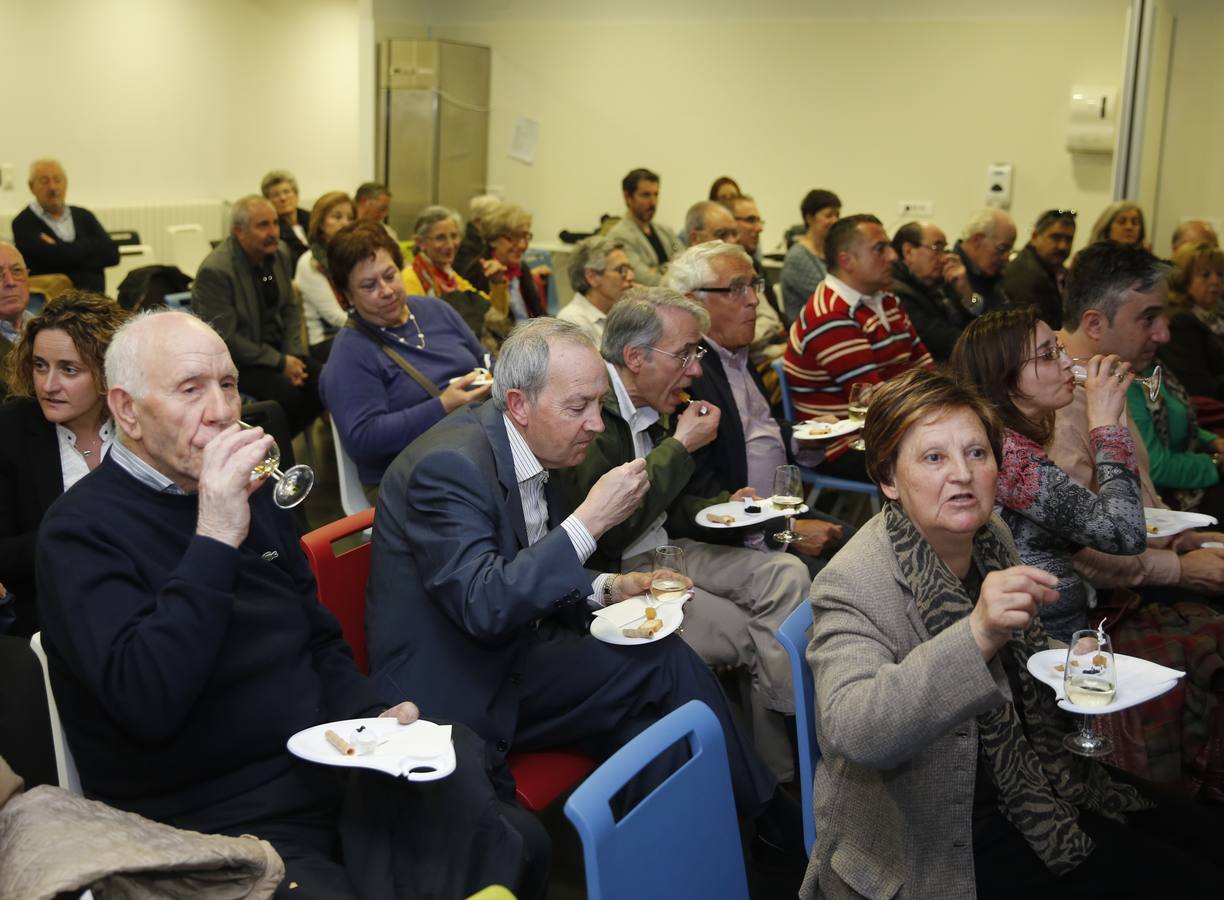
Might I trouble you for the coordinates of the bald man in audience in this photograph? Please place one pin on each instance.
(1038, 275)
(707, 220)
(56, 238)
(599, 273)
(245, 289)
(984, 248)
(14, 303)
(648, 244)
(1195, 231)
(932, 285)
(186, 644)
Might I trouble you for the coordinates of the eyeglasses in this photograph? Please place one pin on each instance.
(18, 273)
(936, 248)
(622, 270)
(737, 287)
(517, 237)
(687, 359)
(1051, 354)
(726, 234)
(750, 220)
(1050, 216)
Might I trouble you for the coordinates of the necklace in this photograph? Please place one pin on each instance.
(400, 339)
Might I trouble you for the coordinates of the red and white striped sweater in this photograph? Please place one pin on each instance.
(833, 344)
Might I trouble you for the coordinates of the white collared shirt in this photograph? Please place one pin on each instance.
(874, 302)
(64, 227)
(127, 460)
(639, 419)
(586, 315)
(72, 462)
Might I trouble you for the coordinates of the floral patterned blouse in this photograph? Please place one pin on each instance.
(1051, 516)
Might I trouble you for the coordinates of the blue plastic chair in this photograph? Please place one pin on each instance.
(680, 841)
(794, 637)
(813, 478)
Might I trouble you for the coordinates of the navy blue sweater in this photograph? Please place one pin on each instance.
(181, 665)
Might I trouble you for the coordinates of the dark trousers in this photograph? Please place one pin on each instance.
(301, 404)
(849, 465)
(1172, 850)
(579, 690)
(346, 834)
(25, 726)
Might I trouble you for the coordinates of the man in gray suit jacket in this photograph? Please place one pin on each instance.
(478, 596)
(648, 244)
(245, 289)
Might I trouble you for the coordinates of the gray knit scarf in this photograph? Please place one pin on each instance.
(1040, 784)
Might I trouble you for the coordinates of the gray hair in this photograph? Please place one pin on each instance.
(591, 254)
(125, 357)
(522, 363)
(635, 321)
(481, 205)
(1102, 274)
(984, 222)
(504, 219)
(695, 218)
(47, 161)
(692, 269)
(431, 216)
(275, 177)
(240, 212)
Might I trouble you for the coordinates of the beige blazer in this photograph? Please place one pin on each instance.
(646, 268)
(895, 720)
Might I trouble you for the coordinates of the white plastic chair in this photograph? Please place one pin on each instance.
(65, 766)
(352, 495)
(188, 247)
(131, 256)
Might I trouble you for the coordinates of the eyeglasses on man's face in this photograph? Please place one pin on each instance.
(750, 220)
(685, 359)
(622, 270)
(737, 288)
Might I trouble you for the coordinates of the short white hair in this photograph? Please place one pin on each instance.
(692, 269)
(986, 222)
(47, 161)
(483, 204)
(125, 357)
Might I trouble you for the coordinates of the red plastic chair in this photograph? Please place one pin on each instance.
(541, 777)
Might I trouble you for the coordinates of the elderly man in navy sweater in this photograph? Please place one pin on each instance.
(186, 644)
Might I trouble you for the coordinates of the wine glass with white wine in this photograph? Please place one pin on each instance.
(860, 397)
(1152, 382)
(1090, 680)
(669, 581)
(788, 497)
(292, 486)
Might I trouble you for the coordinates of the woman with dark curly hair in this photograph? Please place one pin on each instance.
(57, 429)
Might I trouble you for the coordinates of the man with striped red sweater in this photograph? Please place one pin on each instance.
(851, 329)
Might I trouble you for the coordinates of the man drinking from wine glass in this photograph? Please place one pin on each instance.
(186, 644)
(652, 352)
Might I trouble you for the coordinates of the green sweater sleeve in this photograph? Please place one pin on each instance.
(1169, 469)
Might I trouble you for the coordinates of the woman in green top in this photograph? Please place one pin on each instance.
(1184, 459)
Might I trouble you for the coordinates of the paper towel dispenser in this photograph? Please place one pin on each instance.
(1092, 119)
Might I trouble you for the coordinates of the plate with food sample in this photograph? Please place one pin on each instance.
(420, 751)
(634, 621)
(1168, 522)
(1138, 680)
(483, 377)
(812, 430)
(740, 514)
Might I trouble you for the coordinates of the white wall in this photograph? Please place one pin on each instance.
(1191, 180)
(862, 98)
(172, 101)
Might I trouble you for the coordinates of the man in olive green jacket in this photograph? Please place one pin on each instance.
(741, 595)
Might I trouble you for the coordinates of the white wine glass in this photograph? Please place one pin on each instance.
(860, 398)
(1152, 382)
(1090, 680)
(292, 486)
(669, 579)
(788, 497)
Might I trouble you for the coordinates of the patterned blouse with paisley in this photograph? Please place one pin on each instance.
(1052, 517)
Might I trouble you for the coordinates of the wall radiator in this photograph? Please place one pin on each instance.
(151, 222)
